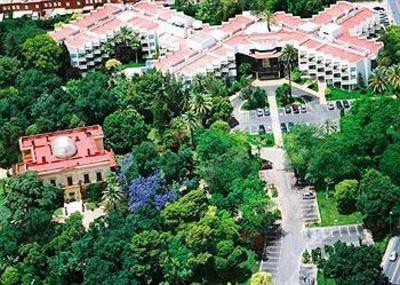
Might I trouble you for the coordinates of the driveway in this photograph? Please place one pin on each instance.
(394, 6)
(292, 241)
(392, 269)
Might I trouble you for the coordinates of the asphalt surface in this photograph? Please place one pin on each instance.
(292, 243)
(392, 269)
(395, 7)
(350, 234)
(317, 114)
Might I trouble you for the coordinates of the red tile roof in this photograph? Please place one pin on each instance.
(88, 152)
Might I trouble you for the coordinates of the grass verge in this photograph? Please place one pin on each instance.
(340, 94)
(330, 215)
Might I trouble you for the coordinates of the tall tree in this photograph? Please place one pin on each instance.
(193, 123)
(354, 265)
(112, 194)
(269, 17)
(43, 53)
(124, 44)
(289, 57)
(378, 81)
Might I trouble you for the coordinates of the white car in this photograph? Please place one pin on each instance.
(331, 106)
(308, 195)
(393, 256)
(260, 112)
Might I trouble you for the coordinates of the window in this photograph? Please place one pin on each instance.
(86, 178)
(99, 177)
(69, 180)
(53, 182)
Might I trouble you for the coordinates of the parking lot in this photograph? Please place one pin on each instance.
(313, 113)
(310, 210)
(350, 234)
(272, 254)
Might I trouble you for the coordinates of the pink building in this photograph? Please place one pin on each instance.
(336, 46)
(70, 159)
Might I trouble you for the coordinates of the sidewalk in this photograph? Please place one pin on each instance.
(276, 128)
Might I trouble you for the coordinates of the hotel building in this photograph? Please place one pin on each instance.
(336, 46)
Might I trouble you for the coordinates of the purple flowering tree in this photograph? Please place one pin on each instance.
(149, 192)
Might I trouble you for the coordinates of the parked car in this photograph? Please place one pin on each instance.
(303, 109)
(346, 104)
(265, 165)
(261, 129)
(308, 195)
(301, 182)
(295, 109)
(283, 128)
(288, 110)
(260, 112)
(331, 106)
(290, 125)
(393, 256)
(339, 105)
(266, 111)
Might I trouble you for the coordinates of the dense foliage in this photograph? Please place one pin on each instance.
(187, 204)
(353, 265)
(217, 11)
(366, 144)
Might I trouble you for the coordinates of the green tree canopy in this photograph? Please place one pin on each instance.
(43, 53)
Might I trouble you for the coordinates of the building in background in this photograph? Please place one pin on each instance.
(337, 46)
(70, 159)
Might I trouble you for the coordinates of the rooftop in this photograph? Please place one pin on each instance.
(188, 42)
(56, 151)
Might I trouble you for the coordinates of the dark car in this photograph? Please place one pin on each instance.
(377, 8)
(288, 110)
(283, 128)
(301, 182)
(346, 104)
(266, 111)
(339, 105)
(261, 129)
(290, 125)
(303, 108)
(265, 165)
(295, 109)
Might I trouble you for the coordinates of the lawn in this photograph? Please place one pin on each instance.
(323, 281)
(330, 215)
(133, 64)
(340, 94)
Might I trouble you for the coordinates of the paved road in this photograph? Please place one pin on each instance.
(394, 6)
(292, 240)
(392, 269)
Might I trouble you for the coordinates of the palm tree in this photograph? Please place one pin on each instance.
(269, 17)
(377, 81)
(393, 76)
(289, 57)
(193, 123)
(113, 194)
(125, 39)
(200, 103)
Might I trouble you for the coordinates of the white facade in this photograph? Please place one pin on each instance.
(335, 46)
